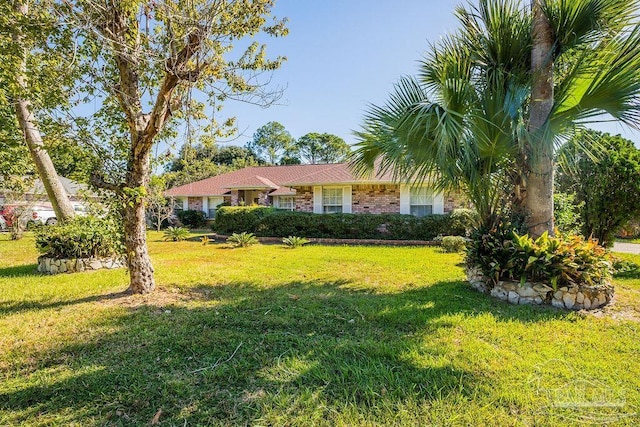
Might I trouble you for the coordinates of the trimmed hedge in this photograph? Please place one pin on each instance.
(264, 221)
(192, 218)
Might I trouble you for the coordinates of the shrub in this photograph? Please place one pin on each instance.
(453, 244)
(463, 221)
(625, 268)
(274, 223)
(502, 254)
(192, 218)
(566, 212)
(242, 240)
(82, 237)
(294, 242)
(236, 219)
(607, 183)
(176, 234)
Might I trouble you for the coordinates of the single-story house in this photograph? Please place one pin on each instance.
(319, 188)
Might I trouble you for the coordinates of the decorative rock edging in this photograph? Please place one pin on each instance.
(55, 266)
(575, 297)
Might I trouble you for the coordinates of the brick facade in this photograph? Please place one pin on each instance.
(264, 199)
(234, 198)
(455, 201)
(195, 203)
(304, 199)
(375, 199)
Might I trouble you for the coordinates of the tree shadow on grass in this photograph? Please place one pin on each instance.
(20, 271)
(11, 307)
(242, 353)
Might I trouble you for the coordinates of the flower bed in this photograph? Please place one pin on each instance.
(50, 265)
(572, 297)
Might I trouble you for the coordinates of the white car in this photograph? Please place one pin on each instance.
(44, 213)
(3, 223)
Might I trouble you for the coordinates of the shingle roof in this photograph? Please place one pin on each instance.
(253, 182)
(275, 177)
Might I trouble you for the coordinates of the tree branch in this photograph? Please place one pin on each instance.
(98, 181)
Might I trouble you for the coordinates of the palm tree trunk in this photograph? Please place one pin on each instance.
(46, 171)
(540, 174)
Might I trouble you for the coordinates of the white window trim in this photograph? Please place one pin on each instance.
(205, 206)
(405, 201)
(278, 200)
(318, 199)
(333, 187)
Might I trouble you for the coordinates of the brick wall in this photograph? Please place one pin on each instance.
(264, 199)
(455, 200)
(376, 199)
(234, 198)
(195, 203)
(304, 199)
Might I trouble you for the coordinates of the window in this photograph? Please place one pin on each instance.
(178, 206)
(421, 201)
(332, 200)
(286, 202)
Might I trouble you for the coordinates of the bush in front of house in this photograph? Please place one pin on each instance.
(82, 237)
(192, 218)
(464, 221)
(237, 219)
(269, 222)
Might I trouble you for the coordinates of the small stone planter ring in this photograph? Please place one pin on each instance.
(71, 265)
(574, 297)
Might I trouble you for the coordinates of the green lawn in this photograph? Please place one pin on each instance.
(313, 336)
(628, 240)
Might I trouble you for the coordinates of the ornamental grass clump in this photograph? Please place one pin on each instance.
(503, 254)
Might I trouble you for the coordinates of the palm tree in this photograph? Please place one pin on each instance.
(494, 99)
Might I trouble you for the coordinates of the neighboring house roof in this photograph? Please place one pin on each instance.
(72, 188)
(277, 178)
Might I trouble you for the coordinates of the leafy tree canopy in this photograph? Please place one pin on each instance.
(272, 143)
(605, 183)
(201, 161)
(322, 148)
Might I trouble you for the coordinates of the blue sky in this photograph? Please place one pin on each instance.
(343, 55)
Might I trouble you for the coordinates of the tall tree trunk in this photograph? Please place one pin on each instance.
(46, 171)
(135, 226)
(539, 197)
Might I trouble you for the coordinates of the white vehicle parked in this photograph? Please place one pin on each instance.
(44, 213)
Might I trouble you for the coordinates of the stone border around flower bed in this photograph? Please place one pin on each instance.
(575, 297)
(55, 266)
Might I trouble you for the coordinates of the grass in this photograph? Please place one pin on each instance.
(312, 336)
(637, 240)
